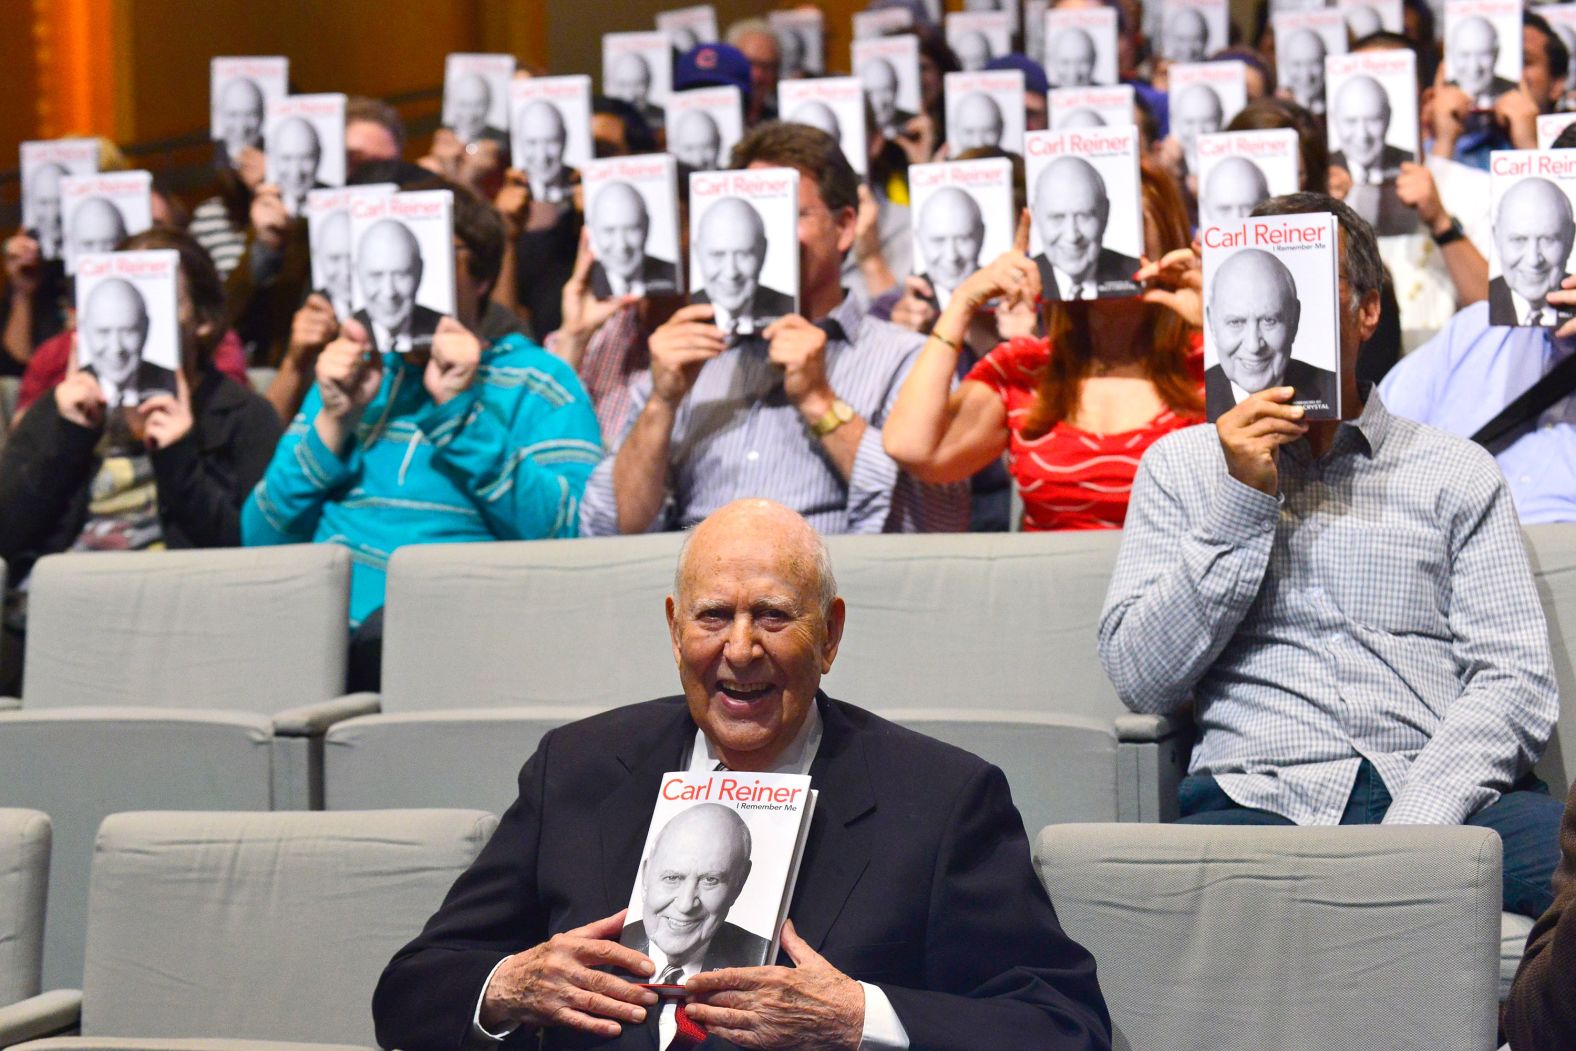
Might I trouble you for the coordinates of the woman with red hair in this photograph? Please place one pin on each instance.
(1076, 409)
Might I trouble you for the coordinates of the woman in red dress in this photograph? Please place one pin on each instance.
(1074, 411)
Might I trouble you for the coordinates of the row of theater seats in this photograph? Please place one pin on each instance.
(214, 930)
(210, 680)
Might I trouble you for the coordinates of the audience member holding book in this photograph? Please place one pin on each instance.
(1541, 1011)
(917, 920)
(1075, 410)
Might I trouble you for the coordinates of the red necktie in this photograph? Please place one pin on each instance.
(689, 1032)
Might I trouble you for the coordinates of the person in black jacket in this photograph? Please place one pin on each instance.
(171, 472)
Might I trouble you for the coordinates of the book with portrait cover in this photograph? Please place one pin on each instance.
(550, 126)
(1087, 207)
(1080, 46)
(633, 224)
(402, 250)
(1303, 40)
(717, 871)
(1007, 7)
(1483, 48)
(984, 110)
(1192, 30)
(239, 90)
(1239, 169)
(836, 105)
(1272, 312)
(1203, 99)
(306, 145)
(976, 37)
(1370, 16)
(879, 23)
(689, 27)
(888, 67)
(963, 217)
(703, 125)
(328, 231)
(1103, 106)
(801, 42)
(102, 210)
(1549, 127)
(44, 165)
(744, 246)
(1531, 194)
(1034, 28)
(128, 324)
(476, 96)
(1373, 129)
(638, 68)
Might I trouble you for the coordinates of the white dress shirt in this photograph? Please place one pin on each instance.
(883, 1029)
(1525, 308)
(1085, 289)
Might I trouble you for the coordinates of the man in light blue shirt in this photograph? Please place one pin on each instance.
(1464, 376)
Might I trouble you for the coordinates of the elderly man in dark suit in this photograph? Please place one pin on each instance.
(1533, 231)
(1071, 207)
(917, 919)
(388, 268)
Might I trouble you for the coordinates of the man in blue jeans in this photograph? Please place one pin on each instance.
(1349, 608)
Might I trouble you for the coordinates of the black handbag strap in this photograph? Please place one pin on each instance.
(1555, 385)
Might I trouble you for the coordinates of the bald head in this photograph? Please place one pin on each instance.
(1301, 67)
(1071, 208)
(1069, 59)
(1362, 20)
(619, 225)
(775, 525)
(1081, 118)
(731, 246)
(43, 203)
(114, 327)
(951, 235)
(388, 266)
(880, 80)
(96, 226)
(1533, 231)
(697, 867)
(1195, 111)
(1186, 36)
(973, 51)
(1232, 189)
(629, 79)
(331, 255)
(977, 123)
(1253, 317)
(818, 115)
(1471, 53)
(1361, 118)
(295, 151)
(469, 101)
(240, 111)
(697, 141)
(540, 138)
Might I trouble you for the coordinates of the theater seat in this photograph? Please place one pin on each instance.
(1300, 939)
(24, 874)
(169, 680)
(223, 930)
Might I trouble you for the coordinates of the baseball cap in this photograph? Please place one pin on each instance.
(1033, 73)
(712, 65)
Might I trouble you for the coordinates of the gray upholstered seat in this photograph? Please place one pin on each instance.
(173, 680)
(219, 929)
(1301, 939)
(24, 874)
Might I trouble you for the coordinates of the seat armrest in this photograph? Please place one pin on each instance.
(47, 1014)
(1136, 728)
(10, 704)
(313, 720)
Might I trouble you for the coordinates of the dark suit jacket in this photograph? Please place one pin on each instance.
(1390, 158)
(423, 323)
(148, 380)
(730, 947)
(768, 305)
(916, 877)
(1309, 382)
(1541, 1011)
(658, 275)
(1502, 309)
(1113, 273)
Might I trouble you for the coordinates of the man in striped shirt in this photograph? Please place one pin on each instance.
(1349, 608)
(792, 413)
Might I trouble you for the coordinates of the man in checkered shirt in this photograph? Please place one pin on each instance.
(1349, 608)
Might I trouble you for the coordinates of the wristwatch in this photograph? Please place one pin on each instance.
(840, 413)
(1452, 234)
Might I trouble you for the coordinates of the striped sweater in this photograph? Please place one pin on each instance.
(505, 460)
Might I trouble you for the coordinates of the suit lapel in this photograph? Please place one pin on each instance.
(624, 816)
(836, 855)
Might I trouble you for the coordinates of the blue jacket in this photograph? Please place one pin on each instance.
(505, 460)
